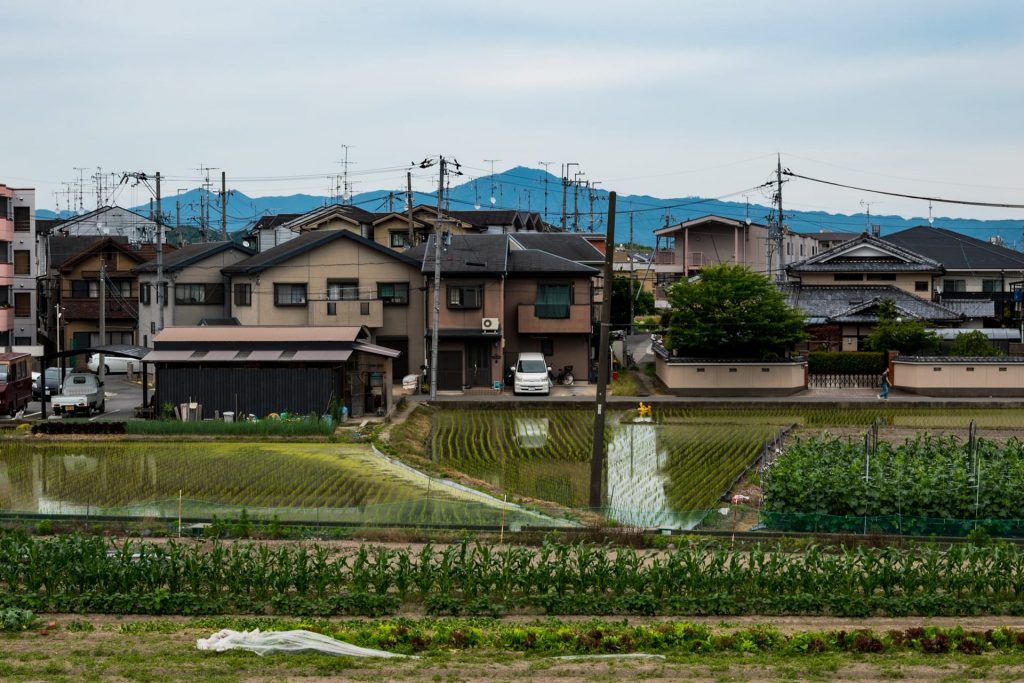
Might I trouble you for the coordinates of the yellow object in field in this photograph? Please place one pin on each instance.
(643, 410)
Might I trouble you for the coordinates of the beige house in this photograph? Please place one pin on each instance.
(195, 289)
(332, 277)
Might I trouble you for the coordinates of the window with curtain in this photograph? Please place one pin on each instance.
(393, 292)
(553, 301)
(289, 294)
(342, 290)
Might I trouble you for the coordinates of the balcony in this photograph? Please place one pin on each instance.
(664, 258)
(6, 230)
(369, 312)
(577, 322)
(6, 318)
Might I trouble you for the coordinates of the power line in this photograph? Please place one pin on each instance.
(899, 194)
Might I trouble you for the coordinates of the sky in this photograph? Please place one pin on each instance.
(668, 99)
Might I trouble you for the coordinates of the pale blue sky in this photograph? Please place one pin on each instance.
(663, 98)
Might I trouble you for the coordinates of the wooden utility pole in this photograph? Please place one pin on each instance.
(597, 454)
(223, 207)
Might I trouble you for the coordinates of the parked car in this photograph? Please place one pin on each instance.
(52, 384)
(115, 365)
(83, 393)
(531, 375)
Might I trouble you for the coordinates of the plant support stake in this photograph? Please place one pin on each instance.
(597, 454)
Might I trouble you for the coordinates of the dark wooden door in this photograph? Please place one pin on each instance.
(449, 370)
(478, 364)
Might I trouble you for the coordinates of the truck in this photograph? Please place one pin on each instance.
(83, 393)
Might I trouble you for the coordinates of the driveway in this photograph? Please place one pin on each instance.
(122, 398)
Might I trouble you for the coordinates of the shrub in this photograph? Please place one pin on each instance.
(974, 344)
(846, 362)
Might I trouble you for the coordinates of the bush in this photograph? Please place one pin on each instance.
(846, 363)
(974, 344)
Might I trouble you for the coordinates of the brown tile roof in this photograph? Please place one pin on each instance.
(261, 333)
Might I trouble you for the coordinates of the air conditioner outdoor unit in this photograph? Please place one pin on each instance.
(489, 324)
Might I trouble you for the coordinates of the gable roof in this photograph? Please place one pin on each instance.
(496, 255)
(267, 222)
(95, 213)
(312, 219)
(63, 247)
(866, 253)
(956, 251)
(710, 218)
(566, 245)
(306, 242)
(859, 303)
(143, 253)
(191, 254)
(537, 262)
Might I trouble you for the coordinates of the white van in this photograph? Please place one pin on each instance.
(531, 375)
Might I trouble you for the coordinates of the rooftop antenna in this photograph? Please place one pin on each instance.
(81, 182)
(931, 219)
(545, 164)
(494, 199)
(346, 186)
(867, 205)
(476, 195)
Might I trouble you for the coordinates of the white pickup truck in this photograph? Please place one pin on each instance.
(83, 393)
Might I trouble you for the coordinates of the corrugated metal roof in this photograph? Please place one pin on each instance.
(376, 349)
(322, 355)
(166, 356)
(261, 333)
(993, 333)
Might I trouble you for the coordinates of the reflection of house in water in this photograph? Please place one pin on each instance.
(532, 432)
(635, 483)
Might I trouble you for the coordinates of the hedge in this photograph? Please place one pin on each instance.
(846, 362)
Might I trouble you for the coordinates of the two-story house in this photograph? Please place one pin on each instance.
(501, 295)
(196, 290)
(682, 250)
(333, 277)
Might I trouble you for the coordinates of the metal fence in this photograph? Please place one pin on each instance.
(836, 381)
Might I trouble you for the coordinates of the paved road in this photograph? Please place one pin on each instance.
(122, 398)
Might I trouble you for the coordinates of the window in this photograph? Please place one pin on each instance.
(199, 294)
(991, 286)
(921, 286)
(22, 305)
(848, 277)
(343, 290)
(289, 294)
(881, 277)
(399, 240)
(553, 301)
(121, 288)
(145, 292)
(801, 250)
(22, 219)
(464, 297)
(243, 294)
(85, 289)
(395, 293)
(22, 262)
(23, 341)
(954, 285)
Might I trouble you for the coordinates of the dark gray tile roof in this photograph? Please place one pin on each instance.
(971, 360)
(569, 246)
(956, 251)
(64, 248)
(502, 254)
(536, 262)
(191, 254)
(832, 236)
(896, 259)
(267, 222)
(305, 242)
(972, 308)
(466, 254)
(858, 303)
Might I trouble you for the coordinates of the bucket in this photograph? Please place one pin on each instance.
(229, 416)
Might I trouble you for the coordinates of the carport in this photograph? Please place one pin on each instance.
(118, 350)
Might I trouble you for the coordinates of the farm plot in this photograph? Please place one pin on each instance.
(657, 474)
(297, 482)
(928, 484)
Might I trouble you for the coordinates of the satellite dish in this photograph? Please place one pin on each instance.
(477, 206)
(102, 228)
(493, 200)
(245, 243)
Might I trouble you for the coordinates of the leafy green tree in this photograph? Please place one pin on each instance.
(973, 343)
(892, 333)
(642, 305)
(732, 312)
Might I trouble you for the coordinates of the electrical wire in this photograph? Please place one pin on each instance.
(940, 200)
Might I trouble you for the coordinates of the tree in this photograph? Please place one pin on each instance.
(642, 305)
(892, 333)
(974, 344)
(732, 312)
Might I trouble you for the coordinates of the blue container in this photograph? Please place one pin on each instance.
(344, 413)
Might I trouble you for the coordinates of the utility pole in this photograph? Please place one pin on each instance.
(160, 260)
(102, 369)
(494, 199)
(597, 453)
(565, 185)
(437, 284)
(545, 164)
(223, 207)
(632, 274)
(408, 207)
(779, 220)
(576, 201)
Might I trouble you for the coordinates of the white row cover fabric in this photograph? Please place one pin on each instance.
(273, 642)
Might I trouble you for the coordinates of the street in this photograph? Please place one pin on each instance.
(122, 398)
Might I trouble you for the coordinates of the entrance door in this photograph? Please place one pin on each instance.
(400, 365)
(478, 364)
(449, 370)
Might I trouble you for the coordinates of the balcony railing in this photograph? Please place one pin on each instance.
(577, 321)
(362, 312)
(664, 258)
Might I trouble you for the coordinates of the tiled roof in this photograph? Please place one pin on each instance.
(956, 251)
(537, 262)
(566, 245)
(324, 213)
(305, 242)
(503, 254)
(63, 248)
(267, 222)
(972, 360)
(856, 303)
(972, 308)
(190, 254)
(485, 254)
(892, 258)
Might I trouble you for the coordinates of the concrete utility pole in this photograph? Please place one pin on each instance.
(632, 276)
(408, 207)
(437, 284)
(159, 260)
(223, 207)
(597, 453)
(545, 164)
(779, 225)
(102, 370)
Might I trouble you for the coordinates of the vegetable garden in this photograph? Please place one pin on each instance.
(928, 484)
(71, 574)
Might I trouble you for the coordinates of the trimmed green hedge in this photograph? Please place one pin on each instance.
(846, 362)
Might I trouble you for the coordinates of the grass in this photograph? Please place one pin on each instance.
(265, 427)
(625, 385)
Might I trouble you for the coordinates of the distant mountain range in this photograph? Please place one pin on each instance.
(524, 189)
